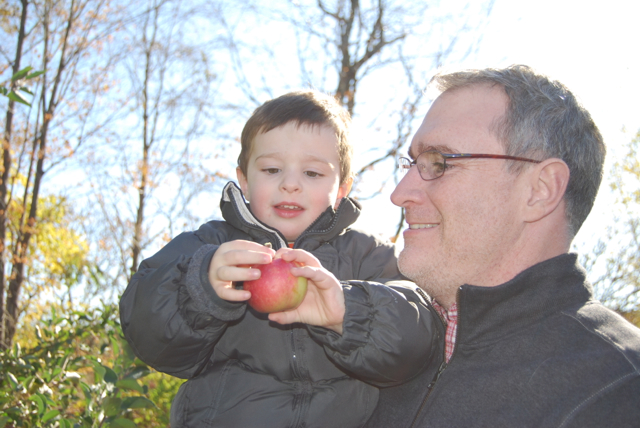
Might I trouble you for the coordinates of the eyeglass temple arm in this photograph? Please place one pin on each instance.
(480, 155)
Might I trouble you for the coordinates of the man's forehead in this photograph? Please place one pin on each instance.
(459, 117)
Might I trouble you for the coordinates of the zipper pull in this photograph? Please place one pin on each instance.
(437, 376)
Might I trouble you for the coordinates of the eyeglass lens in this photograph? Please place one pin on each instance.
(431, 165)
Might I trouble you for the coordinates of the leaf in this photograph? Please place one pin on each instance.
(137, 403)
(138, 372)
(20, 74)
(15, 96)
(111, 406)
(65, 423)
(130, 384)
(86, 389)
(50, 415)
(122, 423)
(35, 74)
(39, 402)
(110, 376)
(13, 380)
(114, 346)
(25, 89)
(99, 371)
(3, 421)
(104, 373)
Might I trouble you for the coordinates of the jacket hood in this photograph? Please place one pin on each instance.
(237, 212)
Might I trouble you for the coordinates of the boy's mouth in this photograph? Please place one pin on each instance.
(288, 210)
(288, 207)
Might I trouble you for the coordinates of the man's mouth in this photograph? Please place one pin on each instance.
(422, 226)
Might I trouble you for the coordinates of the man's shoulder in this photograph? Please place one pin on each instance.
(613, 331)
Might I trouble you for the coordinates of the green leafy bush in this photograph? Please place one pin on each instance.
(81, 373)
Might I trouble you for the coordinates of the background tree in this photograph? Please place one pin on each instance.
(58, 37)
(615, 261)
(160, 152)
(6, 168)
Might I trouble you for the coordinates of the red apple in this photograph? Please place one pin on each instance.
(276, 290)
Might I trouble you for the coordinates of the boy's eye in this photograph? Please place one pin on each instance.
(271, 170)
(312, 174)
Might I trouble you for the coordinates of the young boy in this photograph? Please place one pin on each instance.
(185, 314)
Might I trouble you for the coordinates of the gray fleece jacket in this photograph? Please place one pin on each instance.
(537, 351)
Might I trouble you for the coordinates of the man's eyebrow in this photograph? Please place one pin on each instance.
(414, 151)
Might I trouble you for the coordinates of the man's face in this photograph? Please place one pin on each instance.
(293, 175)
(463, 224)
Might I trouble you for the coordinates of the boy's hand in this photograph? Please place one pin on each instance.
(231, 263)
(323, 304)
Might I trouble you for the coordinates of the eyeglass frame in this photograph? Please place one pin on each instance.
(405, 163)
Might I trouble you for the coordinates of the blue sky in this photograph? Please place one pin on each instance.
(590, 46)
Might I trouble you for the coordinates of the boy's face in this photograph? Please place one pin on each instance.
(293, 175)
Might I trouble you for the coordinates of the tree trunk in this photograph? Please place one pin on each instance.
(5, 339)
(26, 229)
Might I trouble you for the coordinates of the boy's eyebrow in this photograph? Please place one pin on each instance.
(310, 157)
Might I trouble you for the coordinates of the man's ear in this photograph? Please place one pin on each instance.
(548, 183)
(242, 181)
(343, 191)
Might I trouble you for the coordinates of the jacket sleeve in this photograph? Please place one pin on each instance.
(389, 333)
(170, 314)
(374, 259)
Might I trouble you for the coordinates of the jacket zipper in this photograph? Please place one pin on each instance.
(301, 396)
(442, 367)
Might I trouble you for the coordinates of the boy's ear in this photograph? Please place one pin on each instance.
(549, 181)
(242, 181)
(343, 191)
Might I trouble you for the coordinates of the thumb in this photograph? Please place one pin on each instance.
(287, 317)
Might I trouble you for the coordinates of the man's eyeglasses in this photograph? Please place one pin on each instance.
(432, 164)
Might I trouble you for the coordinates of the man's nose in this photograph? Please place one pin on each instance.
(409, 189)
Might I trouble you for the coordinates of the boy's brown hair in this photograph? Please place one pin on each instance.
(311, 108)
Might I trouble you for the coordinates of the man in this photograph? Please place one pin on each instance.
(503, 172)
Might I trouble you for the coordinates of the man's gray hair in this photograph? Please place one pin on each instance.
(544, 120)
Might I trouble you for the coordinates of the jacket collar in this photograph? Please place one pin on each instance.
(236, 211)
(543, 290)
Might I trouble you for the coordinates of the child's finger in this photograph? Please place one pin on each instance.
(300, 256)
(281, 251)
(233, 295)
(236, 273)
(288, 317)
(320, 277)
(237, 257)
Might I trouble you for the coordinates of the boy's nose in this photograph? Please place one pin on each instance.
(290, 183)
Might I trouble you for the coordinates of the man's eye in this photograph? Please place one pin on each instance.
(422, 166)
(438, 167)
(271, 170)
(312, 174)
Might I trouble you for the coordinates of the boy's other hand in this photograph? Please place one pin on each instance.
(323, 304)
(231, 264)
